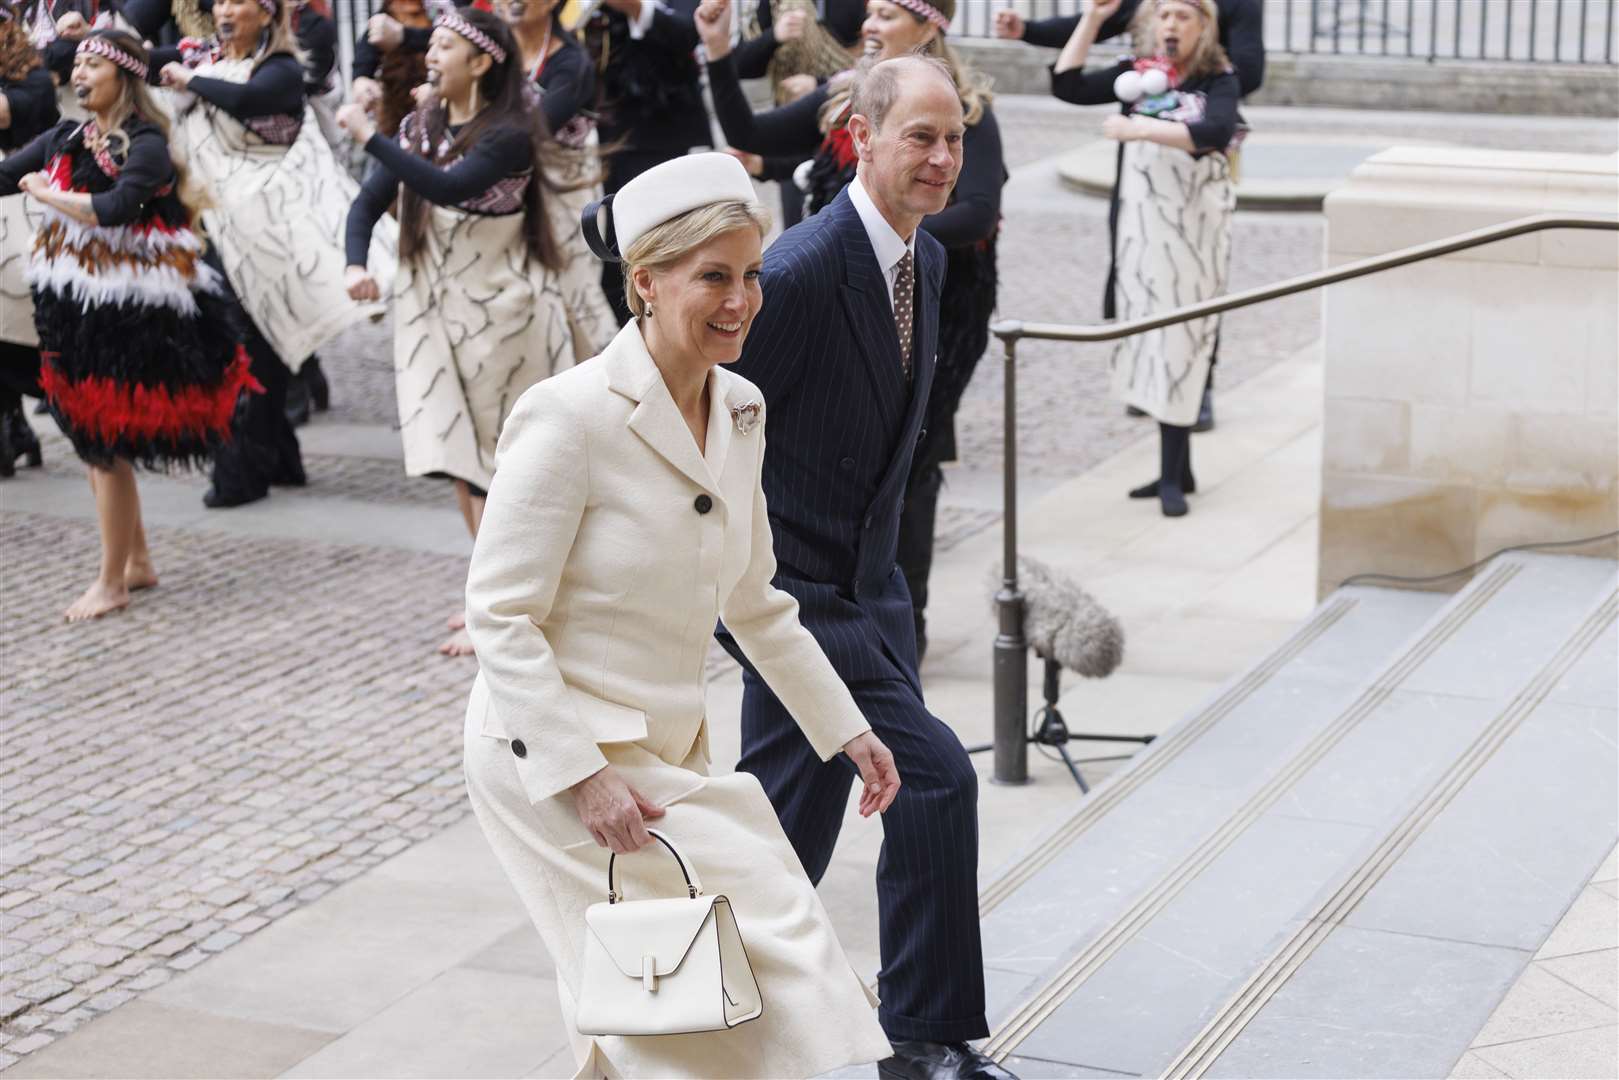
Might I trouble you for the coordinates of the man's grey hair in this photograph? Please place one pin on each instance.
(876, 85)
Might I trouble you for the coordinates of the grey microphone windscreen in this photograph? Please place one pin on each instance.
(1063, 622)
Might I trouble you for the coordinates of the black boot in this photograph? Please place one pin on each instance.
(1188, 483)
(298, 403)
(320, 391)
(1174, 460)
(17, 439)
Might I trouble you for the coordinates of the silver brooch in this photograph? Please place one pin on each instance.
(746, 416)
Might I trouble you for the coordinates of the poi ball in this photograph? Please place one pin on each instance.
(1154, 82)
(1128, 87)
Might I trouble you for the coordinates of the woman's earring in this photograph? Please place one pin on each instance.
(648, 311)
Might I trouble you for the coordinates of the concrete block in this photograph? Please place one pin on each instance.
(1406, 335)
(1470, 444)
(1367, 435)
(1393, 525)
(1593, 973)
(1563, 453)
(1529, 335)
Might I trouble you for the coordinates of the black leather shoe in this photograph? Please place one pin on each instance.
(939, 1061)
(320, 392)
(298, 403)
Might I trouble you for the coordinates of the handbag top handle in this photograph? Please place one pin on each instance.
(694, 886)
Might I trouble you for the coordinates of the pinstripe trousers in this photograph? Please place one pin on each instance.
(932, 977)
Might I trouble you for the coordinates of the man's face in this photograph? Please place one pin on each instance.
(911, 163)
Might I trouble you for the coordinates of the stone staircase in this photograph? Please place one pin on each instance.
(1339, 865)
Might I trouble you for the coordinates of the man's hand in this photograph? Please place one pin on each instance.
(353, 119)
(385, 32)
(613, 812)
(714, 27)
(366, 93)
(1009, 25)
(790, 26)
(877, 772)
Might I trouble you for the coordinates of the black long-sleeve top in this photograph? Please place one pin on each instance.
(649, 88)
(1221, 93)
(317, 37)
(33, 108)
(1242, 34)
(145, 169)
(794, 131)
(276, 87)
(500, 153)
(569, 81)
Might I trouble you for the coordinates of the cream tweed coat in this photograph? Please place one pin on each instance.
(609, 546)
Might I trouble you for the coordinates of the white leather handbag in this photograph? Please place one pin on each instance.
(664, 967)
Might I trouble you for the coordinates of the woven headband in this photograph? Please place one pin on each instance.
(107, 50)
(926, 11)
(451, 21)
(268, 6)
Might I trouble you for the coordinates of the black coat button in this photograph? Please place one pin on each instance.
(518, 748)
(703, 504)
(846, 464)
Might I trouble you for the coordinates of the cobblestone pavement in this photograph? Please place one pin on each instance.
(269, 723)
(272, 721)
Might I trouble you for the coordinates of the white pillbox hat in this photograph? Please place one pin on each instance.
(662, 193)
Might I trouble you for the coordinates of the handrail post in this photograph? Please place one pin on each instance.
(1011, 648)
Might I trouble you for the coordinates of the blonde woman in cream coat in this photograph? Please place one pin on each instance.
(624, 518)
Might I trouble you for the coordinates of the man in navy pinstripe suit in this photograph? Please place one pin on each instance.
(843, 350)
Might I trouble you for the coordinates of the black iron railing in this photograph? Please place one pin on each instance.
(1011, 648)
(1541, 31)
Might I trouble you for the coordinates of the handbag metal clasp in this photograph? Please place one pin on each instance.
(649, 974)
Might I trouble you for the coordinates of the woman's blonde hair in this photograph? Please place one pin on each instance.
(664, 245)
(1208, 59)
(975, 89)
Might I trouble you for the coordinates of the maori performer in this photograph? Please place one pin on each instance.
(562, 73)
(1176, 197)
(388, 62)
(27, 109)
(279, 202)
(479, 316)
(817, 125)
(141, 363)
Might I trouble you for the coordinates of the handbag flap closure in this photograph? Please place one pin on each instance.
(664, 930)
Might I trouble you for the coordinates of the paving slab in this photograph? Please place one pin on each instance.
(1372, 1004)
(146, 1039)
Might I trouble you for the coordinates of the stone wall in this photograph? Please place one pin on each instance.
(1471, 401)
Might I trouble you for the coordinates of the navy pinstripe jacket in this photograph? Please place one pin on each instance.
(842, 424)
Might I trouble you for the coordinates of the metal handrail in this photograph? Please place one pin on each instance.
(1011, 647)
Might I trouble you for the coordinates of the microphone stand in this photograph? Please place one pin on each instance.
(1051, 730)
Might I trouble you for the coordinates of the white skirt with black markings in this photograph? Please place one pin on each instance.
(476, 322)
(1172, 248)
(277, 219)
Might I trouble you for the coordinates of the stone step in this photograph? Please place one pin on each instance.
(1416, 945)
(1225, 850)
(1085, 871)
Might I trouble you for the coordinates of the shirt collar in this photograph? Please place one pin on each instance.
(885, 242)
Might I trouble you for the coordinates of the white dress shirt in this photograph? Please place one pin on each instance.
(885, 242)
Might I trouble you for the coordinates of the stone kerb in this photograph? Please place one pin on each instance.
(1471, 401)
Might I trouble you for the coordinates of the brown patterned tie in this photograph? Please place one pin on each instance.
(904, 295)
